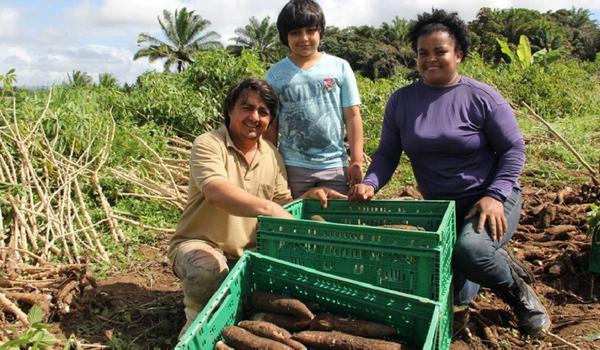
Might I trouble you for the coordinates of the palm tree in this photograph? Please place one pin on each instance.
(395, 32)
(582, 32)
(108, 80)
(185, 36)
(259, 36)
(80, 79)
(7, 81)
(545, 34)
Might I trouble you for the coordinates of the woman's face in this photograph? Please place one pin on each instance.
(438, 59)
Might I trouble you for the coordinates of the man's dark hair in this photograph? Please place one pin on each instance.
(441, 21)
(262, 87)
(299, 14)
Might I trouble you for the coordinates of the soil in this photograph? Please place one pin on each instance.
(137, 309)
(141, 308)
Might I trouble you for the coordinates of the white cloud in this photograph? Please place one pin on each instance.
(117, 13)
(9, 21)
(35, 67)
(10, 53)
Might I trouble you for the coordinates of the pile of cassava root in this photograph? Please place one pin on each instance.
(273, 317)
(318, 217)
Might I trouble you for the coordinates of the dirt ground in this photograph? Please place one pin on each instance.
(137, 309)
(141, 308)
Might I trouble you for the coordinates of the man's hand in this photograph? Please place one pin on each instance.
(277, 211)
(491, 211)
(361, 193)
(323, 194)
(355, 175)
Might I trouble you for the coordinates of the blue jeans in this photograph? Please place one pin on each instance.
(476, 260)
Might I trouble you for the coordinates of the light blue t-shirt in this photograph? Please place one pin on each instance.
(311, 122)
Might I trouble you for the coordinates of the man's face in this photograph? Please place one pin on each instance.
(248, 118)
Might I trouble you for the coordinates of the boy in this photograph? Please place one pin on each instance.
(319, 102)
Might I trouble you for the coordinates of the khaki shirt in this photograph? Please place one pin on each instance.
(215, 157)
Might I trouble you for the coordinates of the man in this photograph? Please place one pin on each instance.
(235, 176)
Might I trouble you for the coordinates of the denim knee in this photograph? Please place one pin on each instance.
(472, 249)
(476, 256)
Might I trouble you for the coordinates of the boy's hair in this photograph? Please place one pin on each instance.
(260, 86)
(441, 21)
(299, 14)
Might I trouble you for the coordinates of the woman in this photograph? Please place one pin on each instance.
(464, 145)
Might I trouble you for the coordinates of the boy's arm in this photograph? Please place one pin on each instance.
(354, 128)
(272, 132)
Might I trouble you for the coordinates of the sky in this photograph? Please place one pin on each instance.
(46, 40)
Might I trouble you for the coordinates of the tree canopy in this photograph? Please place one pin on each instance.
(260, 37)
(186, 34)
(379, 52)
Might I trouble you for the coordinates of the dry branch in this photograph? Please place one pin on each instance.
(182, 151)
(14, 309)
(181, 142)
(592, 171)
(561, 340)
(112, 224)
(48, 214)
(147, 227)
(43, 300)
(161, 163)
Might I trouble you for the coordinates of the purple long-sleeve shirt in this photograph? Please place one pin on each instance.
(463, 141)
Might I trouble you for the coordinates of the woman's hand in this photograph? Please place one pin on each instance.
(361, 193)
(491, 211)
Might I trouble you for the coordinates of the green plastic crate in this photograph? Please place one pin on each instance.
(348, 245)
(594, 265)
(446, 321)
(413, 262)
(415, 318)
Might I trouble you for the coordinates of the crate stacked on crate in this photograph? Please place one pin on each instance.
(353, 244)
(414, 318)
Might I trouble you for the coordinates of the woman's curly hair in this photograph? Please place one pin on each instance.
(440, 20)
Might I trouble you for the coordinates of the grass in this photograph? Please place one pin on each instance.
(549, 159)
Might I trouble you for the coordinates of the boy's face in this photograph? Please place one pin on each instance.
(304, 42)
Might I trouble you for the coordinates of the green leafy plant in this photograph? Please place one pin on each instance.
(593, 218)
(592, 336)
(260, 37)
(185, 33)
(8, 80)
(36, 337)
(80, 79)
(108, 80)
(523, 55)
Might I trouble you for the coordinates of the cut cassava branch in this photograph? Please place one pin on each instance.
(14, 309)
(591, 170)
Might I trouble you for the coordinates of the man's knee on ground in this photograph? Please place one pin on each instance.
(204, 273)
